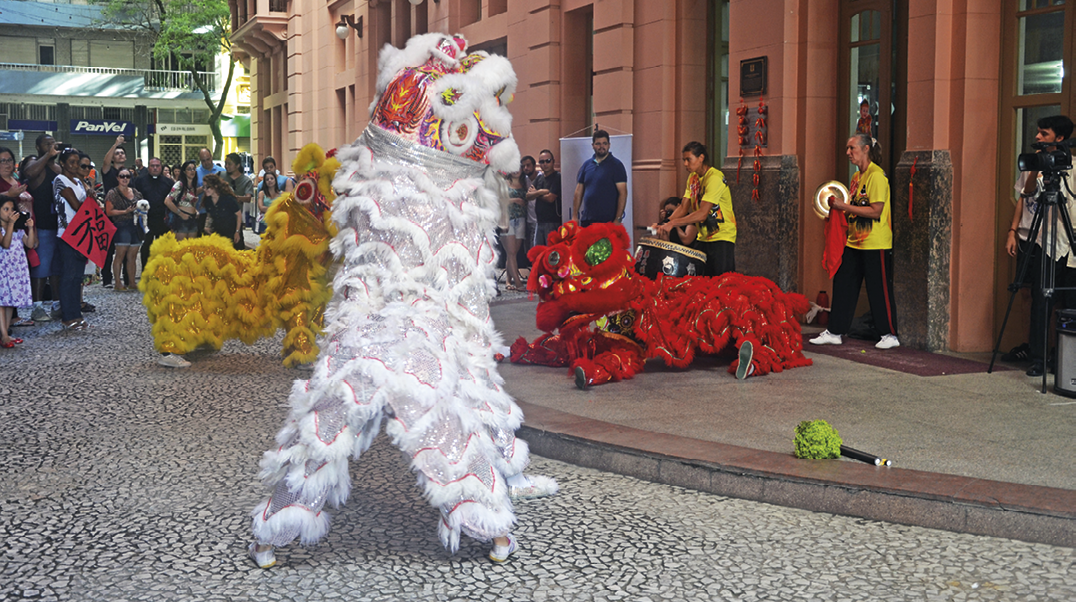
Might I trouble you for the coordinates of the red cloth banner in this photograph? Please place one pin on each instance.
(90, 232)
(834, 241)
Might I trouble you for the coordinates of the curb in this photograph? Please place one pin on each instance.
(939, 501)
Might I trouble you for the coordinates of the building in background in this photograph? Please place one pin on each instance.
(953, 90)
(84, 79)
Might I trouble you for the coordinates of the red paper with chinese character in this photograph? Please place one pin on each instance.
(90, 232)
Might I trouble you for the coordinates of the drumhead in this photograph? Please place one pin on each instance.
(666, 245)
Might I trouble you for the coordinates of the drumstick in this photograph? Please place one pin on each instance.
(850, 452)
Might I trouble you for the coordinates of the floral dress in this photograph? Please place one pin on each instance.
(14, 273)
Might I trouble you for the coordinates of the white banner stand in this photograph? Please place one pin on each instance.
(575, 151)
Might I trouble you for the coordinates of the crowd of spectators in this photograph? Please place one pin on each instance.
(43, 275)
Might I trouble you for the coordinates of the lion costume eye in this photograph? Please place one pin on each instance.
(599, 251)
(553, 259)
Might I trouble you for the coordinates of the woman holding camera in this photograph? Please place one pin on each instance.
(183, 202)
(120, 207)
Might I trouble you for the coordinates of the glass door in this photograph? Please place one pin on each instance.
(1037, 80)
(871, 77)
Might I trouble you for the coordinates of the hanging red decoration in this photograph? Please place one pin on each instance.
(761, 140)
(742, 136)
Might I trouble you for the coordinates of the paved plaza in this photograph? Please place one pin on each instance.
(128, 481)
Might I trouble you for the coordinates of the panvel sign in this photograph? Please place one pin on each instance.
(102, 127)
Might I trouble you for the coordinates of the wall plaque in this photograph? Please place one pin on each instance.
(754, 76)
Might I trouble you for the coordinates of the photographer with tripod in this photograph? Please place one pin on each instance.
(1031, 186)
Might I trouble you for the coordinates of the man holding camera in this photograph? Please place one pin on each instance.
(1050, 130)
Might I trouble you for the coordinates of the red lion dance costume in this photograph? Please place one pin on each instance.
(585, 275)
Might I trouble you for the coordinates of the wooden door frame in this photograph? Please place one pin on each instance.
(887, 73)
(1009, 103)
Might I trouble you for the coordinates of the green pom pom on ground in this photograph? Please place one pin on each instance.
(816, 440)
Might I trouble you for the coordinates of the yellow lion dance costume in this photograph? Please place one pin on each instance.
(201, 291)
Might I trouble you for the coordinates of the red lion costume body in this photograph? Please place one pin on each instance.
(586, 275)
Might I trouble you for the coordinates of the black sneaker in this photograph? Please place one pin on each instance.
(106, 284)
(1036, 368)
(1017, 354)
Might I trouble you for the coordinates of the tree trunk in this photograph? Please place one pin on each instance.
(216, 109)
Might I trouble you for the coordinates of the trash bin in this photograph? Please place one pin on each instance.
(1065, 352)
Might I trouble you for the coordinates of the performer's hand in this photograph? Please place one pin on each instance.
(1012, 243)
(834, 203)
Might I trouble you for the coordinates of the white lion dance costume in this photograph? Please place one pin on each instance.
(408, 335)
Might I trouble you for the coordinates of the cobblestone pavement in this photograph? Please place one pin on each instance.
(124, 480)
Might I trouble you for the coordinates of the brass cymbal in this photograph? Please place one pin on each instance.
(820, 205)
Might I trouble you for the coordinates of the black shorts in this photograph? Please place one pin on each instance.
(720, 256)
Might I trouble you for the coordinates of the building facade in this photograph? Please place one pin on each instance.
(68, 71)
(953, 90)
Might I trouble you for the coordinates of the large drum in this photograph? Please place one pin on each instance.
(654, 257)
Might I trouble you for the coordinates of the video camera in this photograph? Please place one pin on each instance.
(1047, 160)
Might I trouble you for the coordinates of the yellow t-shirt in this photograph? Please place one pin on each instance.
(867, 188)
(712, 189)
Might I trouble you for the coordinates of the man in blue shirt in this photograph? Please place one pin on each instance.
(601, 185)
(206, 166)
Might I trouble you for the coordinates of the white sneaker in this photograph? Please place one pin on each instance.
(264, 559)
(888, 341)
(826, 338)
(171, 360)
(500, 554)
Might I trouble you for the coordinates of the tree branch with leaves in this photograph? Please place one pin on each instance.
(191, 32)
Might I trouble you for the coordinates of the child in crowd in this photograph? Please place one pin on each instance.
(14, 269)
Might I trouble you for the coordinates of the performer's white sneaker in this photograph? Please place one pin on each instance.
(264, 559)
(171, 360)
(538, 486)
(826, 338)
(500, 554)
(888, 341)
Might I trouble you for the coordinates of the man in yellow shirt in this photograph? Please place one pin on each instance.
(868, 254)
(707, 205)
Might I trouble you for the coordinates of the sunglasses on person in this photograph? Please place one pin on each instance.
(541, 161)
(84, 166)
(125, 176)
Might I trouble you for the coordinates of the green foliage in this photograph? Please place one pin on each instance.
(192, 32)
(816, 439)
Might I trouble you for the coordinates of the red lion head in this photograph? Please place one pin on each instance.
(581, 275)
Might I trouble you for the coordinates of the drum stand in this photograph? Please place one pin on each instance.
(1052, 202)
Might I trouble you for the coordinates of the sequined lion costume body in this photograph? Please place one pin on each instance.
(201, 291)
(585, 276)
(408, 336)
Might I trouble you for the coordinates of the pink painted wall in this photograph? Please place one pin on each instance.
(649, 59)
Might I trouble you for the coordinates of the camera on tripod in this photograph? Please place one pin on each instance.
(1047, 160)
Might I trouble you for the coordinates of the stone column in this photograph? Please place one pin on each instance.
(768, 230)
(922, 248)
